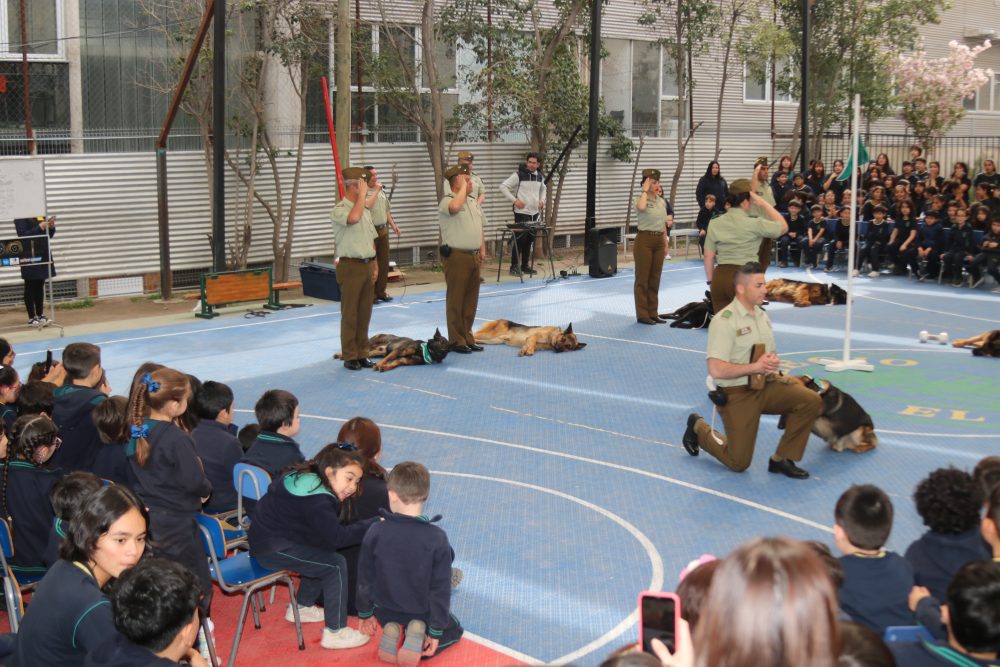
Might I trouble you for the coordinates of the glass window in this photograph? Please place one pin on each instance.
(398, 46)
(645, 86)
(668, 85)
(754, 89)
(41, 26)
(616, 79)
(996, 93)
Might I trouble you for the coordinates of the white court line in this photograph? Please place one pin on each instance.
(655, 560)
(927, 310)
(642, 342)
(928, 348)
(970, 436)
(607, 464)
(403, 386)
(587, 427)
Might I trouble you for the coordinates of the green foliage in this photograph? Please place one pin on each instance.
(79, 304)
(621, 146)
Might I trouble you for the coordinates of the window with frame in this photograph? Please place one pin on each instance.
(43, 28)
(987, 98)
(759, 90)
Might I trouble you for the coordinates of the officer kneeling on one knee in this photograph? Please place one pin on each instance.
(743, 363)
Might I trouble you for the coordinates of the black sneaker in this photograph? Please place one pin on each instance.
(515, 270)
(527, 269)
(352, 365)
(690, 438)
(787, 468)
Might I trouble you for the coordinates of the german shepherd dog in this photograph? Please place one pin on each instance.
(401, 351)
(804, 294)
(844, 424)
(694, 315)
(528, 338)
(986, 344)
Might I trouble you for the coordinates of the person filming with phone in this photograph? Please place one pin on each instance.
(35, 274)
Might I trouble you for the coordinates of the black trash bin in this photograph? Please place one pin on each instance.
(319, 280)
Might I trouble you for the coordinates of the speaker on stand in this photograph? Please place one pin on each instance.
(604, 257)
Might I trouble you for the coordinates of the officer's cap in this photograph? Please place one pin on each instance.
(651, 173)
(763, 159)
(739, 186)
(355, 173)
(465, 155)
(455, 170)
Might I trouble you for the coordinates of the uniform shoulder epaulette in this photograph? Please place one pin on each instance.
(726, 313)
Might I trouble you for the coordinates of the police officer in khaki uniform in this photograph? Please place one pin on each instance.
(462, 252)
(734, 239)
(379, 206)
(760, 184)
(650, 247)
(355, 236)
(477, 194)
(751, 387)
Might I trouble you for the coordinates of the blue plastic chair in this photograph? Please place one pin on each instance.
(13, 584)
(251, 482)
(907, 633)
(240, 573)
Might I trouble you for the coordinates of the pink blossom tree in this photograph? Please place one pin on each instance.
(931, 90)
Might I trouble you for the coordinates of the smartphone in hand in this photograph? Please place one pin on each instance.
(48, 362)
(658, 616)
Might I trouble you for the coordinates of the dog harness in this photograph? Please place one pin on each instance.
(426, 352)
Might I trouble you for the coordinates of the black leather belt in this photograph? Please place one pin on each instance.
(359, 260)
(467, 252)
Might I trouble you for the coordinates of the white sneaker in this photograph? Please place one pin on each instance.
(855, 273)
(667, 257)
(311, 614)
(874, 274)
(346, 637)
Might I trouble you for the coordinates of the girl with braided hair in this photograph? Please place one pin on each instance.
(165, 470)
(10, 386)
(25, 483)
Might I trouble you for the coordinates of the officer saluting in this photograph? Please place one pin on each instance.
(742, 361)
(380, 208)
(650, 248)
(759, 184)
(355, 237)
(462, 252)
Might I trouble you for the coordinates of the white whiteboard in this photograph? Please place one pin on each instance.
(22, 188)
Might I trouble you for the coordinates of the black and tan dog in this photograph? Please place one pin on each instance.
(844, 424)
(528, 338)
(401, 351)
(986, 344)
(805, 294)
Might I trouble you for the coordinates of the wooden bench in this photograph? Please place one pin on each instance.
(228, 287)
(278, 288)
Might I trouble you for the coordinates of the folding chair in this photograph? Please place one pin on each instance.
(251, 482)
(907, 633)
(13, 585)
(240, 573)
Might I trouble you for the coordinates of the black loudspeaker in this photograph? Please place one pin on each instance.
(604, 252)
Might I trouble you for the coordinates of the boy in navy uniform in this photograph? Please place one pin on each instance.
(404, 578)
(154, 607)
(929, 247)
(877, 582)
(959, 251)
(74, 402)
(796, 234)
(278, 415)
(814, 235)
(876, 240)
(67, 496)
(841, 238)
(903, 242)
(218, 449)
(988, 257)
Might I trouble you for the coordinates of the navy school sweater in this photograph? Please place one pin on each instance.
(876, 590)
(923, 654)
(80, 441)
(878, 233)
(932, 236)
(9, 416)
(57, 531)
(937, 557)
(172, 479)
(298, 510)
(120, 652)
(28, 488)
(111, 463)
(68, 617)
(273, 452)
(219, 450)
(405, 567)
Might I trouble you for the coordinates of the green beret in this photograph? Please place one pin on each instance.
(354, 173)
(455, 170)
(651, 173)
(762, 160)
(740, 186)
(465, 155)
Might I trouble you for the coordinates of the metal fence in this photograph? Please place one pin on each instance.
(971, 150)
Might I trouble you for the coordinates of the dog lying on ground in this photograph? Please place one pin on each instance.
(805, 294)
(694, 315)
(986, 344)
(843, 423)
(401, 351)
(528, 338)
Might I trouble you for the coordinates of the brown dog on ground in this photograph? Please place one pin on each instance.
(805, 294)
(528, 338)
(986, 344)
(844, 424)
(401, 351)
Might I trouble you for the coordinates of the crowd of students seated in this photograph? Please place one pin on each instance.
(93, 485)
(915, 222)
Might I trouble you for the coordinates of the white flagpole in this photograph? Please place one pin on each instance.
(846, 363)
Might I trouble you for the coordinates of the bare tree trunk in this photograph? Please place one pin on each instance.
(734, 16)
(552, 203)
(436, 141)
(342, 79)
(631, 187)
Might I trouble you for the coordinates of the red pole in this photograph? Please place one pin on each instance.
(333, 136)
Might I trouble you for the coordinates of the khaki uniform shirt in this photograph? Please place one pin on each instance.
(735, 237)
(654, 218)
(380, 210)
(462, 230)
(764, 190)
(357, 240)
(733, 333)
(477, 187)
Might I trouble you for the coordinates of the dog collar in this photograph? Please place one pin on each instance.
(426, 352)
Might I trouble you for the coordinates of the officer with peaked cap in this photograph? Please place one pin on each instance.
(650, 247)
(462, 252)
(759, 184)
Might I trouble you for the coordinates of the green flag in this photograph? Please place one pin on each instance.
(852, 164)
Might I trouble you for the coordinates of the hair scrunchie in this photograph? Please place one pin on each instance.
(137, 432)
(151, 384)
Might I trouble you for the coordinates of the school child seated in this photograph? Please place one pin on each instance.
(36, 398)
(814, 235)
(971, 614)
(929, 247)
(74, 402)
(217, 447)
(990, 525)
(69, 615)
(949, 502)
(987, 475)
(705, 215)
(67, 498)
(10, 386)
(796, 234)
(27, 482)
(155, 609)
(902, 250)
(875, 241)
(988, 257)
(248, 435)
(297, 526)
(111, 420)
(959, 251)
(841, 238)
(277, 413)
(404, 575)
(877, 582)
